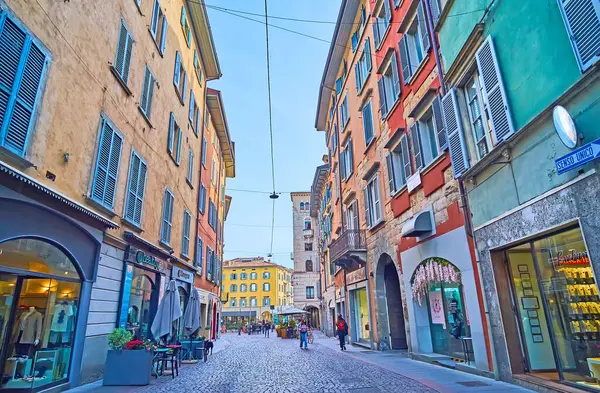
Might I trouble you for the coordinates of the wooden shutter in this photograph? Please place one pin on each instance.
(406, 164)
(423, 28)
(191, 109)
(184, 89)
(121, 49)
(357, 76)
(416, 146)
(436, 10)
(582, 20)
(390, 172)
(369, 63)
(145, 86)
(368, 122)
(171, 137)
(155, 14)
(404, 60)
(493, 90)
(150, 94)
(20, 77)
(107, 166)
(135, 193)
(438, 122)
(454, 130)
(163, 35)
(176, 75)
(179, 136)
(383, 108)
(395, 75)
(350, 153)
(365, 195)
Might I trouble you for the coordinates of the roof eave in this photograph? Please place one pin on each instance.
(217, 111)
(204, 38)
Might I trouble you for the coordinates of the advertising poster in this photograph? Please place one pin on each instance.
(436, 307)
(126, 293)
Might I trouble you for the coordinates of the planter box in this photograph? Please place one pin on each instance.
(128, 368)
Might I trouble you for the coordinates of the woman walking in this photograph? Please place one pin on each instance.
(342, 332)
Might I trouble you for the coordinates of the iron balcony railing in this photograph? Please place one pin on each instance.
(350, 240)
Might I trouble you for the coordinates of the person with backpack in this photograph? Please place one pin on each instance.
(342, 332)
(303, 335)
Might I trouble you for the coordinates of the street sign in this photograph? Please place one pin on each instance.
(583, 155)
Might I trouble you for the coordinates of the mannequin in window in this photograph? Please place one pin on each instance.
(63, 312)
(27, 332)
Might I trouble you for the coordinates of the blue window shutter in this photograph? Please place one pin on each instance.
(376, 34)
(395, 74)
(179, 141)
(406, 164)
(189, 37)
(163, 35)
(455, 135)
(22, 65)
(197, 124)
(184, 86)
(438, 121)
(177, 69)
(423, 28)
(191, 109)
(354, 42)
(358, 78)
(368, 122)
(150, 95)
(107, 166)
(436, 10)
(368, 55)
(183, 16)
(390, 172)
(190, 174)
(121, 48)
(404, 60)
(338, 85)
(388, 11)
(415, 139)
(145, 88)
(204, 151)
(382, 98)
(582, 21)
(171, 138)
(154, 23)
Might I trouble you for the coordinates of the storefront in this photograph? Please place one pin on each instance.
(47, 266)
(144, 276)
(359, 320)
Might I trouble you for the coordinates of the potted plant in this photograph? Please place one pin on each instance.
(291, 328)
(283, 330)
(123, 353)
(278, 330)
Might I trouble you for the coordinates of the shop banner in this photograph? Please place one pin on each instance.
(436, 308)
(125, 296)
(182, 275)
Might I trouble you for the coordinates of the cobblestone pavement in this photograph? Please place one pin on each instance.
(254, 364)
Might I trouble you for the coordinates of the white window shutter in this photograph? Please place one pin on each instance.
(416, 146)
(582, 20)
(455, 135)
(493, 90)
(423, 28)
(438, 122)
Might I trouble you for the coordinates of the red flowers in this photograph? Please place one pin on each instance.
(135, 344)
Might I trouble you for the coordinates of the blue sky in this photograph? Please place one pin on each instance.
(296, 68)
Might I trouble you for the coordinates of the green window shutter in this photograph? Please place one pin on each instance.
(493, 90)
(455, 134)
(582, 21)
(22, 65)
(107, 166)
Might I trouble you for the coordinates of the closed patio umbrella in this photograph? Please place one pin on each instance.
(191, 317)
(169, 310)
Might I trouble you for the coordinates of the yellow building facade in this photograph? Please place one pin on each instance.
(253, 287)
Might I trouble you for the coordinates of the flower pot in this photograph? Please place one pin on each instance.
(278, 332)
(283, 333)
(119, 369)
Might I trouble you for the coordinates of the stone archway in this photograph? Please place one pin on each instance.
(390, 311)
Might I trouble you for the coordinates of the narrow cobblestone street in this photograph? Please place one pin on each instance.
(253, 364)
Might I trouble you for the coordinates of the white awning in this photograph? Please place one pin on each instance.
(421, 224)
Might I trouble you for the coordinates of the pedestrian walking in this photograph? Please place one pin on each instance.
(267, 328)
(342, 332)
(303, 335)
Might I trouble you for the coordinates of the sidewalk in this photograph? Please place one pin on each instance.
(442, 379)
(96, 387)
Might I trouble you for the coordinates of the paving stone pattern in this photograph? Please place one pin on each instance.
(254, 364)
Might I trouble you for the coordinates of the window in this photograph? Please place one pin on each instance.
(310, 291)
(147, 93)
(135, 190)
(185, 237)
(158, 28)
(477, 117)
(185, 25)
(424, 143)
(344, 112)
(252, 286)
(210, 263)
(414, 45)
(301, 205)
(243, 276)
(202, 198)
(190, 169)
(197, 67)
(266, 275)
(266, 287)
(232, 302)
(175, 139)
(266, 301)
(307, 224)
(199, 253)
(104, 186)
(20, 84)
(347, 160)
(233, 276)
(372, 201)
(389, 86)
(582, 20)
(243, 302)
(398, 165)
(203, 154)
(180, 78)
(352, 222)
(233, 288)
(307, 246)
(212, 214)
(367, 115)
(334, 139)
(253, 276)
(213, 171)
(382, 22)
(308, 266)
(123, 56)
(363, 66)
(194, 113)
(253, 301)
(167, 217)
(307, 206)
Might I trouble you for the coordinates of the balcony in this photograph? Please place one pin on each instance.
(351, 244)
(308, 233)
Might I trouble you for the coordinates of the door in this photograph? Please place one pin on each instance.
(394, 308)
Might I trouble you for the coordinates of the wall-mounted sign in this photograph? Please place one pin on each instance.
(579, 157)
(356, 276)
(413, 182)
(565, 127)
(140, 257)
(182, 275)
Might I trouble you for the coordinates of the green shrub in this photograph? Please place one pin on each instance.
(119, 338)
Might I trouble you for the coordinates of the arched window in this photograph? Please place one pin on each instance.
(309, 265)
(307, 206)
(243, 288)
(252, 287)
(243, 276)
(233, 288)
(253, 276)
(266, 287)
(233, 276)
(266, 275)
(307, 224)
(301, 205)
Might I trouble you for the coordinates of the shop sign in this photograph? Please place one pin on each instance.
(182, 275)
(436, 308)
(356, 276)
(141, 258)
(125, 296)
(203, 296)
(577, 158)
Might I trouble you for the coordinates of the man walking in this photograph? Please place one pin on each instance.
(267, 328)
